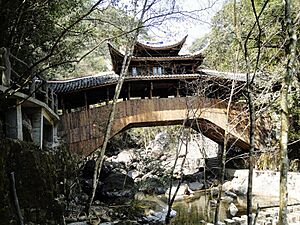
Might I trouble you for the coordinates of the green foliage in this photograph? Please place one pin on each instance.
(268, 161)
(231, 28)
(225, 52)
(51, 30)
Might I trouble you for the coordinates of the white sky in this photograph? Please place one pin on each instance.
(174, 31)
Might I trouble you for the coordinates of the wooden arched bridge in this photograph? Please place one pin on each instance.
(161, 87)
(83, 123)
(157, 90)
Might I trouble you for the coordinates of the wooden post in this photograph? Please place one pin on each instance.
(128, 91)
(52, 99)
(107, 96)
(55, 100)
(63, 105)
(177, 90)
(86, 101)
(150, 90)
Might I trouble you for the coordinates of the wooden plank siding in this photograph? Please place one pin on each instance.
(84, 130)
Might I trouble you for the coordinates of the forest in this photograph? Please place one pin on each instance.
(63, 40)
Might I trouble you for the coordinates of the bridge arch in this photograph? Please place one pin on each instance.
(84, 130)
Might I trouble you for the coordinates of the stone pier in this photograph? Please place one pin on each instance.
(14, 122)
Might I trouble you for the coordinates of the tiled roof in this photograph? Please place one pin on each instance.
(62, 86)
(71, 85)
(224, 75)
(166, 58)
(161, 47)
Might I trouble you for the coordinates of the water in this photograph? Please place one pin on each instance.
(199, 208)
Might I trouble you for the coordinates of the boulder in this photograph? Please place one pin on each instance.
(213, 203)
(78, 223)
(117, 185)
(126, 156)
(230, 194)
(159, 216)
(88, 170)
(195, 186)
(232, 209)
(183, 190)
(227, 186)
(134, 174)
(227, 199)
(152, 185)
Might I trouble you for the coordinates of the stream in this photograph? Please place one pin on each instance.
(193, 209)
(200, 207)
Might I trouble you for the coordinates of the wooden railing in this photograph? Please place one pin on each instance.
(40, 90)
(37, 88)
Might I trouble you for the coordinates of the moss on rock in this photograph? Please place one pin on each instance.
(37, 175)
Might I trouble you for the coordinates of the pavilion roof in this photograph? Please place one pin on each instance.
(141, 49)
(117, 58)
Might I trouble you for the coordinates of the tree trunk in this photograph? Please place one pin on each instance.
(291, 39)
(223, 158)
(125, 65)
(171, 199)
(15, 199)
(252, 147)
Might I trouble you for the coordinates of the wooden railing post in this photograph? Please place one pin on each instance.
(150, 90)
(52, 99)
(177, 90)
(46, 97)
(128, 91)
(86, 101)
(107, 96)
(63, 105)
(55, 101)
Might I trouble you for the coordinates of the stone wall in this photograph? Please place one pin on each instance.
(265, 183)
